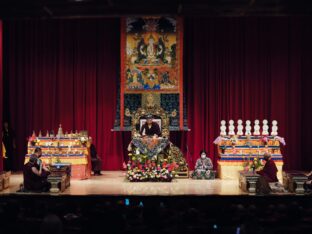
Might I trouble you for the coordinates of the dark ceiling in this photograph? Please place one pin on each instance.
(113, 8)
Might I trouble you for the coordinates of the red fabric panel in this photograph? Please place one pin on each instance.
(249, 68)
(65, 71)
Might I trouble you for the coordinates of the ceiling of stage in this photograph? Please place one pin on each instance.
(101, 8)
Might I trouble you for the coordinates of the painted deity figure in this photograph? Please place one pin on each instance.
(150, 48)
(150, 101)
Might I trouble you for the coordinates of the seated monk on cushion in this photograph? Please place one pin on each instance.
(268, 174)
(269, 171)
(35, 174)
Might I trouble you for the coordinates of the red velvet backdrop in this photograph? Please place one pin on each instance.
(64, 71)
(1, 97)
(250, 68)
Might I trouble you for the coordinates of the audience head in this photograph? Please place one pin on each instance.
(51, 224)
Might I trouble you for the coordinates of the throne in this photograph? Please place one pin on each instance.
(169, 152)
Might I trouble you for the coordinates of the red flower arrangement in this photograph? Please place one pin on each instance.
(149, 171)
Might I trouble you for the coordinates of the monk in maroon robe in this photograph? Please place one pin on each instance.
(35, 174)
(268, 175)
(269, 171)
(150, 128)
(96, 162)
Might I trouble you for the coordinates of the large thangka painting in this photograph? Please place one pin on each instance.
(151, 63)
(151, 55)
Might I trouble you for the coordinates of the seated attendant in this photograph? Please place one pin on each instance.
(150, 128)
(203, 167)
(35, 174)
(268, 174)
(96, 162)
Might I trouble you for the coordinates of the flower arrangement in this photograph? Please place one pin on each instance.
(233, 140)
(83, 140)
(252, 164)
(141, 169)
(33, 140)
(264, 140)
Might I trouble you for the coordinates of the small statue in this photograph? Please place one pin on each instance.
(240, 127)
(60, 132)
(256, 128)
(231, 128)
(223, 128)
(265, 128)
(274, 128)
(248, 128)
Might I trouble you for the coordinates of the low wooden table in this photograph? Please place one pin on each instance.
(59, 177)
(248, 181)
(183, 174)
(294, 180)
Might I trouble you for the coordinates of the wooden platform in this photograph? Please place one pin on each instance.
(114, 183)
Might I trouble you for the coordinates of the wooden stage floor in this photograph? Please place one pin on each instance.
(114, 183)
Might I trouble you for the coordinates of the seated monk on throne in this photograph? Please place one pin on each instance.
(150, 128)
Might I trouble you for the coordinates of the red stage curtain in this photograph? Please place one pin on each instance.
(64, 71)
(1, 97)
(249, 68)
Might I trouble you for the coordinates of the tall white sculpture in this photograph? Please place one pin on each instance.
(240, 127)
(231, 128)
(248, 128)
(265, 128)
(60, 132)
(256, 128)
(223, 128)
(274, 128)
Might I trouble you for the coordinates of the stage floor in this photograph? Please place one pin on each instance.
(114, 183)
